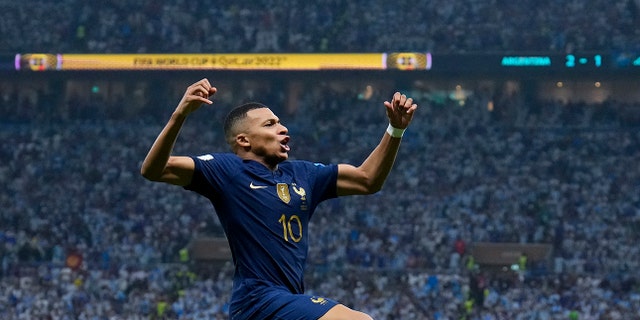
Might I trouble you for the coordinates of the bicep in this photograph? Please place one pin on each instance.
(178, 171)
(351, 180)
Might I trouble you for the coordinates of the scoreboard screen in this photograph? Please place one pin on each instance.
(519, 64)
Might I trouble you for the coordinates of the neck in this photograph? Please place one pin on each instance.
(271, 165)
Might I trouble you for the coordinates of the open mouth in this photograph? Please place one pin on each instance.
(284, 143)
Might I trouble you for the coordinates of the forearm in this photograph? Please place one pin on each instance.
(156, 160)
(378, 164)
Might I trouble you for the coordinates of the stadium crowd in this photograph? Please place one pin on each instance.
(451, 26)
(85, 237)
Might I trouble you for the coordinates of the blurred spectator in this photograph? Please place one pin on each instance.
(459, 26)
(562, 176)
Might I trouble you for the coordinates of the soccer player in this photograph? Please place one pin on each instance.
(264, 201)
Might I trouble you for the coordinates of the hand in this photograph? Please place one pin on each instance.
(400, 110)
(195, 95)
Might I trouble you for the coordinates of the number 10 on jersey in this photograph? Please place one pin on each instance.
(287, 230)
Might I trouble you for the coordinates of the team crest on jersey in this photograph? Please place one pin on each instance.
(283, 192)
(303, 196)
(299, 191)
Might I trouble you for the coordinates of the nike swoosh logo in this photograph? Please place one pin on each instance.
(252, 186)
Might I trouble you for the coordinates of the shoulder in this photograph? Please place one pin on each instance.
(308, 168)
(303, 163)
(214, 169)
(217, 162)
(217, 158)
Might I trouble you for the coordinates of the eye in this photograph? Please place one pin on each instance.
(270, 123)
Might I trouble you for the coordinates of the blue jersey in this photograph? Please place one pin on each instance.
(265, 215)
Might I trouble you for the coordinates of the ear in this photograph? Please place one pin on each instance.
(242, 140)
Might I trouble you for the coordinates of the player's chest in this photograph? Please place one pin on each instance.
(282, 193)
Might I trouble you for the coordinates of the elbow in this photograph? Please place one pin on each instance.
(371, 187)
(375, 188)
(145, 174)
(149, 174)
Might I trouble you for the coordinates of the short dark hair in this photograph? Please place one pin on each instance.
(236, 114)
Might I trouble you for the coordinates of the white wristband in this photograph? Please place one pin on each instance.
(395, 132)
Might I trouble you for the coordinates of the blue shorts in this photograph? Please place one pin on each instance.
(270, 302)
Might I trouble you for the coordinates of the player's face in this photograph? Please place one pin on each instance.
(267, 136)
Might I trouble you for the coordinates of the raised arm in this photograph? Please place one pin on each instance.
(159, 164)
(369, 177)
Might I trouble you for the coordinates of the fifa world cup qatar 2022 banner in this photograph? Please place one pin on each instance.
(239, 61)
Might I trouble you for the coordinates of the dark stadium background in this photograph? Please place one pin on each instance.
(515, 194)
